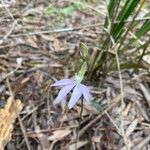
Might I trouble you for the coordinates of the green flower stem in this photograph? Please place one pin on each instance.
(80, 119)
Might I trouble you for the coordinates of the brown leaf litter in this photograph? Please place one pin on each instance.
(48, 54)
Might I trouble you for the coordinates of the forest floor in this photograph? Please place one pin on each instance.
(39, 44)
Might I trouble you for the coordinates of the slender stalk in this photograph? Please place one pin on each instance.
(80, 119)
(122, 102)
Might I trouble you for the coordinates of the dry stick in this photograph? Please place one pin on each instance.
(9, 88)
(57, 30)
(30, 133)
(24, 133)
(71, 29)
(114, 102)
(113, 122)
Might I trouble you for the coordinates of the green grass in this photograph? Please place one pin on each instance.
(59, 14)
(117, 39)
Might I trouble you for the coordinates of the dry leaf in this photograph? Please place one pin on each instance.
(7, 117)
(97, 139)
(131, 127)
(127, 109)
(59, 134)
(79, 145)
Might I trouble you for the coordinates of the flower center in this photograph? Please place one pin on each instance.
(78, 79)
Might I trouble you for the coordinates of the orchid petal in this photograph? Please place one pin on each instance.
(63, 92)
(75, 97)
(63, 82)
(86, 92)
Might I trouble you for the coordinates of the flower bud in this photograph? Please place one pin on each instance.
(84, 51)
